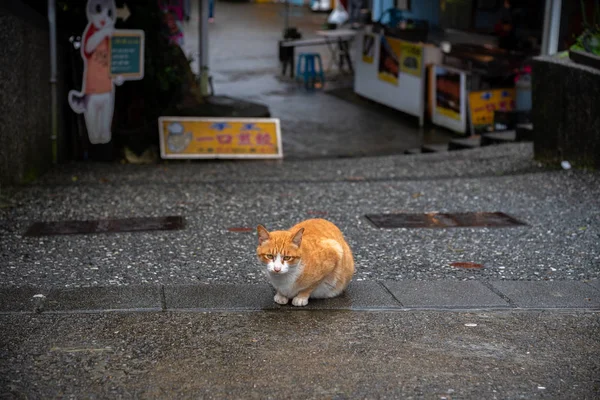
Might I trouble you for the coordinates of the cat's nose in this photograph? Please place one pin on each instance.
(276, 269)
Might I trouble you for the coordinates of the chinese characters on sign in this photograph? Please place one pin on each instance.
(483, 104)
(127, 54)
(188, 137)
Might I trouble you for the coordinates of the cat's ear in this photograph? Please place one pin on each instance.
(297, 239)
(263, 234)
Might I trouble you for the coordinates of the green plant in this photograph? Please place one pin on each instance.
(589, 40)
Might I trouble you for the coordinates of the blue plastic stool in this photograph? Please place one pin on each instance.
(310, 73)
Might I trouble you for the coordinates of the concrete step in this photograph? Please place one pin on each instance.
(488, 139)
(524, 133)
(508, 120)
(434, 148)
(413, 151)
(465, 144)
(360, 295)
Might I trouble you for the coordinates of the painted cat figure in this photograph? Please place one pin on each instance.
(310, 260)
(96, 99)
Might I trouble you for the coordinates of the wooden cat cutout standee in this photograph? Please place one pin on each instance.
(96, 98)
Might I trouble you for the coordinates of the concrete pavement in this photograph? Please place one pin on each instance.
(301, 355)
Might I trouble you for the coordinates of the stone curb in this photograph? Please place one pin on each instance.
(366, 295)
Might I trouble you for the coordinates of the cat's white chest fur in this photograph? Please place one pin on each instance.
(286, 283)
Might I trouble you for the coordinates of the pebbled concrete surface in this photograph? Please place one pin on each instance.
(307, 355)
(560, 241)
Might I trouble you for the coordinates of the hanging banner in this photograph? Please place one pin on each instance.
(106, 62)
(368, 48)
(389, 60)
(196, 137)
(173, 15)
(411, 56)
(482, 105)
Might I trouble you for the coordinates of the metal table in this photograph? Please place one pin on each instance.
(338, 42)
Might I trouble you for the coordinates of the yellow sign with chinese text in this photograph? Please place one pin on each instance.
(482, 105)
(196, 137)
(411, 56)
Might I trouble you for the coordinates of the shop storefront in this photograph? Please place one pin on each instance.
(456, 62)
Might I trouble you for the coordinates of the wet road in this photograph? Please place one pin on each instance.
(244, 63)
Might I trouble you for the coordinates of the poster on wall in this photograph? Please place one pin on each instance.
(449, 97)
(368, 48)
(482, 105)
(411, 56)
(389, 60)
(198, 137)
(173, 15)
(110, 57)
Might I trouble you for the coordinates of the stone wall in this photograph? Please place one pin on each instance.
(25, 119)
(566, 112)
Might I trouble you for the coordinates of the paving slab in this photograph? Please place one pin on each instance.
(444, 294)
(549, 294)
(104, 298)
(595, 283)
(220, 296)
(359, 295)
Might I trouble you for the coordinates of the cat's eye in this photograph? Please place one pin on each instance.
(110, 13)
(269, 256)
(98, 8)
(287, 258)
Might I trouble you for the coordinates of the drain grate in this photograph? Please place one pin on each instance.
(106, 226)
(444, 220)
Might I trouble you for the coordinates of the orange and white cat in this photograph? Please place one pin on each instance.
(311, 259)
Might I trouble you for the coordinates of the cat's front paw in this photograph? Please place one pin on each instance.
(279, 299)
(300, 301)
